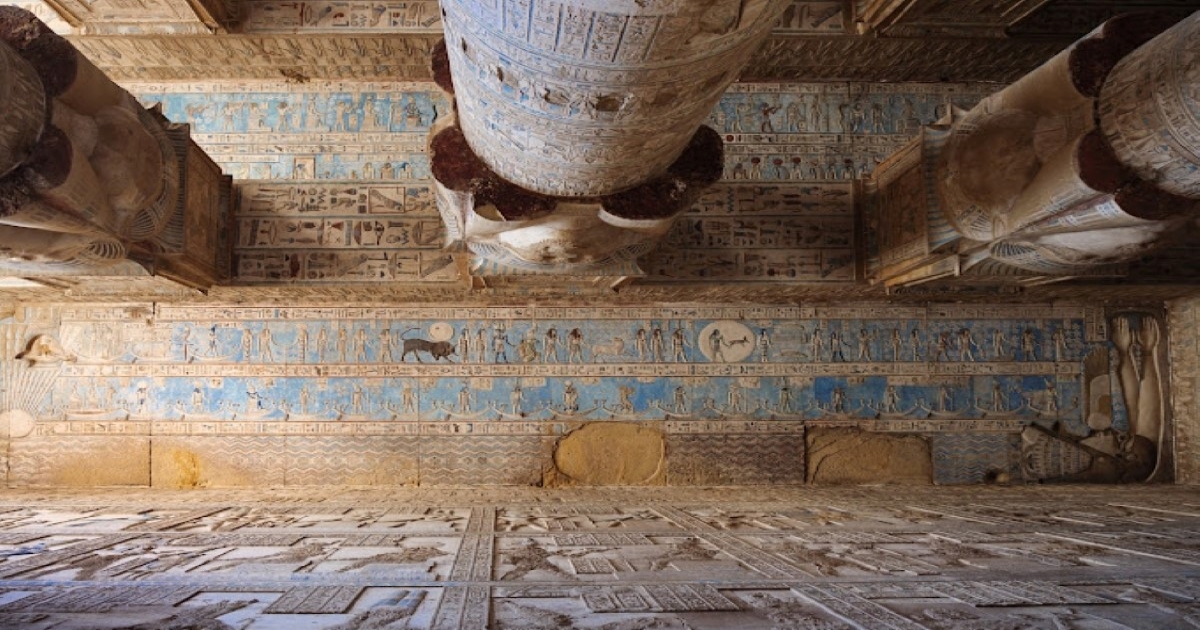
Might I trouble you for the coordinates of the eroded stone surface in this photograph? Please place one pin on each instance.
(611, 454)
(849, 456)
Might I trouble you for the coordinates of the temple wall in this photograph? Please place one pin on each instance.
(182, 395)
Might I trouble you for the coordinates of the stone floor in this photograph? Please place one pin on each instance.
(521, 558)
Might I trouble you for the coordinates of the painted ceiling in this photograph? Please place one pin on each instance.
(321, 110)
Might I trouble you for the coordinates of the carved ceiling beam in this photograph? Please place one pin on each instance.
(157, 17)
(406, 58)
(897, 59)
(261, 57)
(917, 18)
(1063, 17)
(877, 15)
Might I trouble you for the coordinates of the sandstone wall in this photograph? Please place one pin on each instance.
(200, 394)
(1185, 377)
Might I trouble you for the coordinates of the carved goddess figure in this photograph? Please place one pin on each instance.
(715, 341)
(864, 344)
(680, 400)
(815, 344)
(678, 344)
(464, 343)
(514, 398)
(891, 400)
(550, 345)
(837, 401)
(302, 343)
(1142, 388)
(264, 344)
(764, 345)
(999, 343)
(480, 344)
(409, 399)
(570, 397)
(527, 348)
(640, 345)
(575, 346)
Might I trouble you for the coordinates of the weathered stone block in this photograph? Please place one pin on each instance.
(611, 454)
(198, 462)
(848, 456)
(80, 461)
(375, 460)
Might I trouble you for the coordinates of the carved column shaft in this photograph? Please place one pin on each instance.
(577, 134)
(23, 102)
(1150, 110)
(586, 98)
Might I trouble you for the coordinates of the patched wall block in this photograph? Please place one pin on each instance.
(853, 456)
(611, 454)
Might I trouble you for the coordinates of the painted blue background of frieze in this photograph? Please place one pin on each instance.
(649, 369)
(304, 112)
(772, 132)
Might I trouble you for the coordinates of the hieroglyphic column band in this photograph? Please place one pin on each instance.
(1150, 109)
(24, 104)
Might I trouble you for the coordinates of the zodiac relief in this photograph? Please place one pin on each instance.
(614, 349)
(417, 345)
(917, 370)
(727, 341)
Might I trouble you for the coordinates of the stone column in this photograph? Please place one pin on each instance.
(1150, 110)
(590, 97)
(577, 134)
(1114, 193)
(23, 102)
(88, 177)
(1088, 162)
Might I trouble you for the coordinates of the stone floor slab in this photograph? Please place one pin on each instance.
(464, 558)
